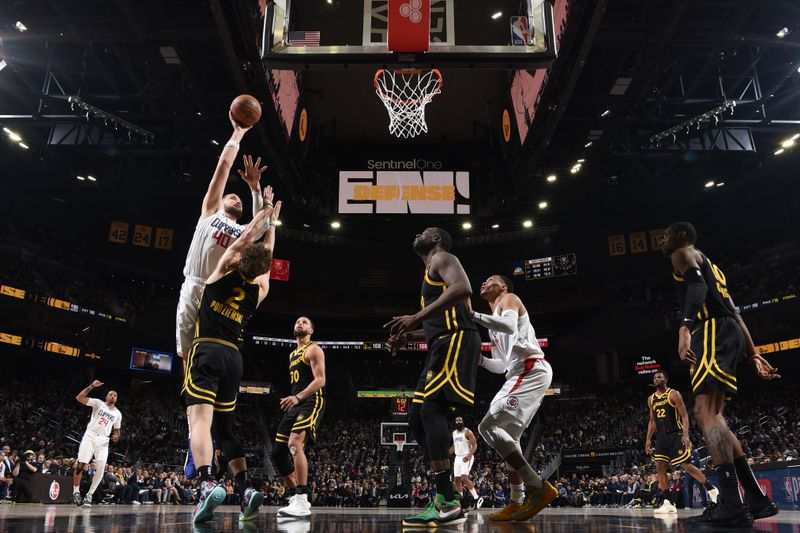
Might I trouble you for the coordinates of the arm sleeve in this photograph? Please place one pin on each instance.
(493, 365)
(506, 323)
(696, 290)
(258, 201)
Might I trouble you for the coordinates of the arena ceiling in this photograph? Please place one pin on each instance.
(628, 72)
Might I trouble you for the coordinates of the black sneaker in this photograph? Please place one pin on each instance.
(76, 499)
(763, 509)
(723, 516)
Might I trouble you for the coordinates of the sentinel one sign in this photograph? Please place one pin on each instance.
(415, 186)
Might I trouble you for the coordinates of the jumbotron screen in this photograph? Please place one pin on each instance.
(151, 360)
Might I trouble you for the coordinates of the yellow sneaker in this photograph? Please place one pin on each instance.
(505, 514)
(535, 501)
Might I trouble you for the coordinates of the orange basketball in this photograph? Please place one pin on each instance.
(245, 110)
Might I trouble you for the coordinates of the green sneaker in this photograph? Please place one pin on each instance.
(427, 518)
(449, 513)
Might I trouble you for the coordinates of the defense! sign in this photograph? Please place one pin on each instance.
(403, 191)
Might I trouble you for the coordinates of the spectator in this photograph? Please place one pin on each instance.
(24, 471)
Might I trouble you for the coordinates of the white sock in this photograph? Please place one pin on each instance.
(474, 493)
(76, 489)
(518, 493)
(530, 477)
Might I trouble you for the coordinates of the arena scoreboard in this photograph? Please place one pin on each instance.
(551, 267)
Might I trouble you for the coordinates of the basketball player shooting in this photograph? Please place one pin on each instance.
(515, 352)
(216, 230)
(233, 291)
(448, 378)
(105, 422)
(712, 327)
(668, 416)
(464, 447)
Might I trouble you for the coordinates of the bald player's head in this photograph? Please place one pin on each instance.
(495, 286)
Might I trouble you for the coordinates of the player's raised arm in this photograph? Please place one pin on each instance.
(213, 199)
(83, 396)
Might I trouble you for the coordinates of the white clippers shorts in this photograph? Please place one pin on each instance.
(188, 304)
(522, 393)
(93, 446)
(460, 468)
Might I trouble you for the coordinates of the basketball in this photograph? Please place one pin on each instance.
(245, 110)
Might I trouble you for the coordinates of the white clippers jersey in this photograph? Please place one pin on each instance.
(212, 236)
(515, 348)
(103, 419)
(461, 445)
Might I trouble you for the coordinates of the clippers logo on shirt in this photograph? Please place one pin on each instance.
(212, 236)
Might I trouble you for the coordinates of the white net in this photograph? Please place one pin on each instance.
(405, 93)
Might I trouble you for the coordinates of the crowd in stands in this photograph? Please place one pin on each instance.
(348, 467)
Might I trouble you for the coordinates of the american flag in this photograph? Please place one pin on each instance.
(303, 38)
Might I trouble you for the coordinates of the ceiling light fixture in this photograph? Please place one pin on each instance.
(795, 136)
(709, 184)
(466, 225)
(80, 178)
(779, 151)
(336, 224)
(91, 178)
(788, 143)
(605, 113)
(20, 26)
(527, 224)
(720, 184)
(542, 205)
(495, 226)
(581, 160)
(783, 32)
(496, 15)
(587, 145)
(551, 178)
(214, 142)
(23, 145)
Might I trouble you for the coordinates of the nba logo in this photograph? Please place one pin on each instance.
(520, 31)
(55, 490)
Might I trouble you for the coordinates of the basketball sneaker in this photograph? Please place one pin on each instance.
(713, 494)
(298, 507)
(211, 496)
(251, 503)
(723, 516)
(763, 509)
(76, 499)
(87, 500)
(666, 508)
(506, 514)
(535, 501)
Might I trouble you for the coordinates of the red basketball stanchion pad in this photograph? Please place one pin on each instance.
(409, 25)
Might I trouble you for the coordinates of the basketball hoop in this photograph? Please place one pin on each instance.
(399, 443)
(405, 93)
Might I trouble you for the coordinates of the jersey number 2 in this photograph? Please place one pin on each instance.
(238, 296)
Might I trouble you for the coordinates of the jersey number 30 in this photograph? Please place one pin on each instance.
(294, 375)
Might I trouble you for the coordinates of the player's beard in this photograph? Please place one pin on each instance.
(423, 246)
(234, 213)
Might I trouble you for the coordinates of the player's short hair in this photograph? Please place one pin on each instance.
(686, 227)
(666, 376)
(507, 282)
(256, 261)
(447, 241)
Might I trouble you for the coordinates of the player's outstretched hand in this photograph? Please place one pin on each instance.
(252, 172)
(276, 211)
(763, 368)
(395, 341)
(96, 384)
(399, 325)
(237, 127)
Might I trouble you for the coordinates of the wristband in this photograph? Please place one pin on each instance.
(232, 144)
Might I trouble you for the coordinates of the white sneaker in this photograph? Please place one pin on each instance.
(713, 495)
(137, 502)
(87, 500)
(299, 506)
(666, 508)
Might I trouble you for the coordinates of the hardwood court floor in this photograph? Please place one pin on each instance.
(36, 518)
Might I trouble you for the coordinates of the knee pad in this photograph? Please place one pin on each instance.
(497, 437)
(280, 456)
(222, 433)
